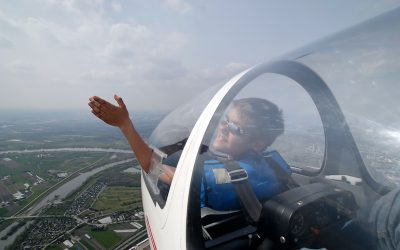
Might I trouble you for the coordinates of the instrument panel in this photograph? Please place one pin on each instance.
(301, 215)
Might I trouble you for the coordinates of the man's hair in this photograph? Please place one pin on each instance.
(263, 116)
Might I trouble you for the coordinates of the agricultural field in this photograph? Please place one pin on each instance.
(118, 199)
(23, 177)
(106, 238)
(100, 239)
(42, 152)
(37, 130)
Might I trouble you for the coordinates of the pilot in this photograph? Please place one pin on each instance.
(249, 126)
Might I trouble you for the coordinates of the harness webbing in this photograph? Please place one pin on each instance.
(248, 200)
(282, 175)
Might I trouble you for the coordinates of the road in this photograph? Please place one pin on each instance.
(132, 241)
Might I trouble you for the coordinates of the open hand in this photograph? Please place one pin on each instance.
(117, 116)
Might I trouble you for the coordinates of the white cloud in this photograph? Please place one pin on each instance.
(178, 5)
(77, 5)
(234, 67)
(5, 43)
(145, 54)
(101, 57)
(101, 76)
(126, 33)
(161, 69)
(8, 25)
(42, 31)
(77, 48)
(221, 73)
(116, 6)
(21, 66)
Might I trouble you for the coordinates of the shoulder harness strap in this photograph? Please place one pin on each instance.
(281, 174)
(248, 199)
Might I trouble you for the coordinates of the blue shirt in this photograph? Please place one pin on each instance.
(220, 192)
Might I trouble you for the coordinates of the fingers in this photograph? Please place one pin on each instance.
(98, 104)
(98, 99)
(98, 109)
(120, 101)
(94, 106)
(96, 114)
(107, 112)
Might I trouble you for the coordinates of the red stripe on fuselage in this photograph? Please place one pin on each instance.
(151, 234)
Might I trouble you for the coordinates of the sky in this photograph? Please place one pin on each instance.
(156, 54)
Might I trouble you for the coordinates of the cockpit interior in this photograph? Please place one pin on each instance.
(335, 164)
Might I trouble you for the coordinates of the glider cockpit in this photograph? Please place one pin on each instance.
(340, 142)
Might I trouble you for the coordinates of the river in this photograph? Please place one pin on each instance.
(65, 189)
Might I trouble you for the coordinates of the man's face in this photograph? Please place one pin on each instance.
(232, 135)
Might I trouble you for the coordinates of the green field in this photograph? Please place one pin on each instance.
(55, 248)
(107, 238)
(3, 211)
(39, 169)
(24, 168)
(116, 198)
(61, 246)
(40, 163)
(36, 191)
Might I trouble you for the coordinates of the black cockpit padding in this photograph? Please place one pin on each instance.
(303, 215)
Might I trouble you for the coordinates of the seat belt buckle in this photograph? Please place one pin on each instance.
(238, 175)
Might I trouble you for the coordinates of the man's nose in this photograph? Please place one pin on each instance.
(223, 127)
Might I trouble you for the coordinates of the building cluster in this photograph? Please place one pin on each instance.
(85, 199)
(22, 193)
(23, 190)
(45, 230)
(57, 173)
(118, 217)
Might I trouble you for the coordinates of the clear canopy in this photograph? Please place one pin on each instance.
(361, 67)
(319, 125)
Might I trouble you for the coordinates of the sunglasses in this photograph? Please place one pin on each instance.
(233, 127)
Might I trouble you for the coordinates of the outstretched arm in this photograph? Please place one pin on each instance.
(118, 116)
